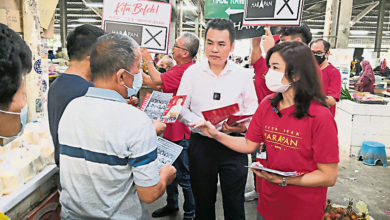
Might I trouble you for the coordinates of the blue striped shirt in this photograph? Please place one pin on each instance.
(106, 148)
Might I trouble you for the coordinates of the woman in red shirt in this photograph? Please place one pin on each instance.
(299, 132)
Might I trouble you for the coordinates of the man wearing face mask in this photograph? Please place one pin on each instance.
(108, 149)
(331, 77)
(15, 62)
(184, 50)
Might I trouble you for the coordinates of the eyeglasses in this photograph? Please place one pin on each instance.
(318, 52)
(180, 47)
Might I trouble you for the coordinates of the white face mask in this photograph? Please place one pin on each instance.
(273, 80)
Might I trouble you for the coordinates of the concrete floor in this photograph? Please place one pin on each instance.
(370, 184)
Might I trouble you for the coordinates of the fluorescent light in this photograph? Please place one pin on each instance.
(189, 8)
(316, 31)
(359, 32)
(193, 22)
(74, 25)
(87, 20)
(94, 4)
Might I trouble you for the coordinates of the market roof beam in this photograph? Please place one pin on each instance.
(98, 11)
(364, 12)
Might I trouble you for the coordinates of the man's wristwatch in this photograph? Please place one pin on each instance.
(284, 183)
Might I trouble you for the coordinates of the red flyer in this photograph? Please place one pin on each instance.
(173, 110)
(235, 119)
(145, 101)
(217, 115)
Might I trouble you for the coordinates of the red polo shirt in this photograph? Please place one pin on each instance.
(171, 81)
(331, 84)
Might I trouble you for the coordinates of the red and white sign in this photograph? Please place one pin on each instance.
(147, 22)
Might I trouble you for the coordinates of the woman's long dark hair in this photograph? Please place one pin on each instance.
(300, 65)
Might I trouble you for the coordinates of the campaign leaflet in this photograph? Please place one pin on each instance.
(167, 152)
(281, 173)
(174, 108)
(155, 104)
(164, 106)
(215, 116)
(235, 119)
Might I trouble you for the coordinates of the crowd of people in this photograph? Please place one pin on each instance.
(106, 149)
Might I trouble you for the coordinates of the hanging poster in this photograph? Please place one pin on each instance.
(273, 12)
(147, 22)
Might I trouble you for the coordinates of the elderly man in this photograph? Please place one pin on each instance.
(165, 64)
(15, 61)
(184, 50)
(107, 147)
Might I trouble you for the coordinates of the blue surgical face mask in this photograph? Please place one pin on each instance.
(23, 120)
(136, 86)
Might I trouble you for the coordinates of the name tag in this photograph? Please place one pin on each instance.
(262, 155)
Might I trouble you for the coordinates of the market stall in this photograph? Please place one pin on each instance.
(27, 170)
(367, 118)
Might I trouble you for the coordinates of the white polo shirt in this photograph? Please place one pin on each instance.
(234, 85)
(106, 148)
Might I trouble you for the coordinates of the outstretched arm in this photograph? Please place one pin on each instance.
(239, 144)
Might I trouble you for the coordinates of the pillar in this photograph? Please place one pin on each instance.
(343, 27)
(329, 16)
(36, 81)
(172, 33)
(201, 40)
(63, 22)
(379, 29)
(181, 18)
(197, 25)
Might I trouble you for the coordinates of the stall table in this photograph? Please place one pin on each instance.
(357, 122)
(19, 203)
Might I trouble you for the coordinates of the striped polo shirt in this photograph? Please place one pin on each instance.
(106, 148)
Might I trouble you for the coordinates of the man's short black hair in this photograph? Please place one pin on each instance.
(111, 53)
(15, 60)
(302, 32)
(222, 24)
(80, 41)
(324, 42)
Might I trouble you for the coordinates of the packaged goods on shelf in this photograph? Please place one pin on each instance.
(23, 158)
(10, 177)
(23, 163)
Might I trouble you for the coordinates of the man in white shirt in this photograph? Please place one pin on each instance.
(210, 84)
(108, 155)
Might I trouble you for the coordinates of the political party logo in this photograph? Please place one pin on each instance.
(265, 8)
